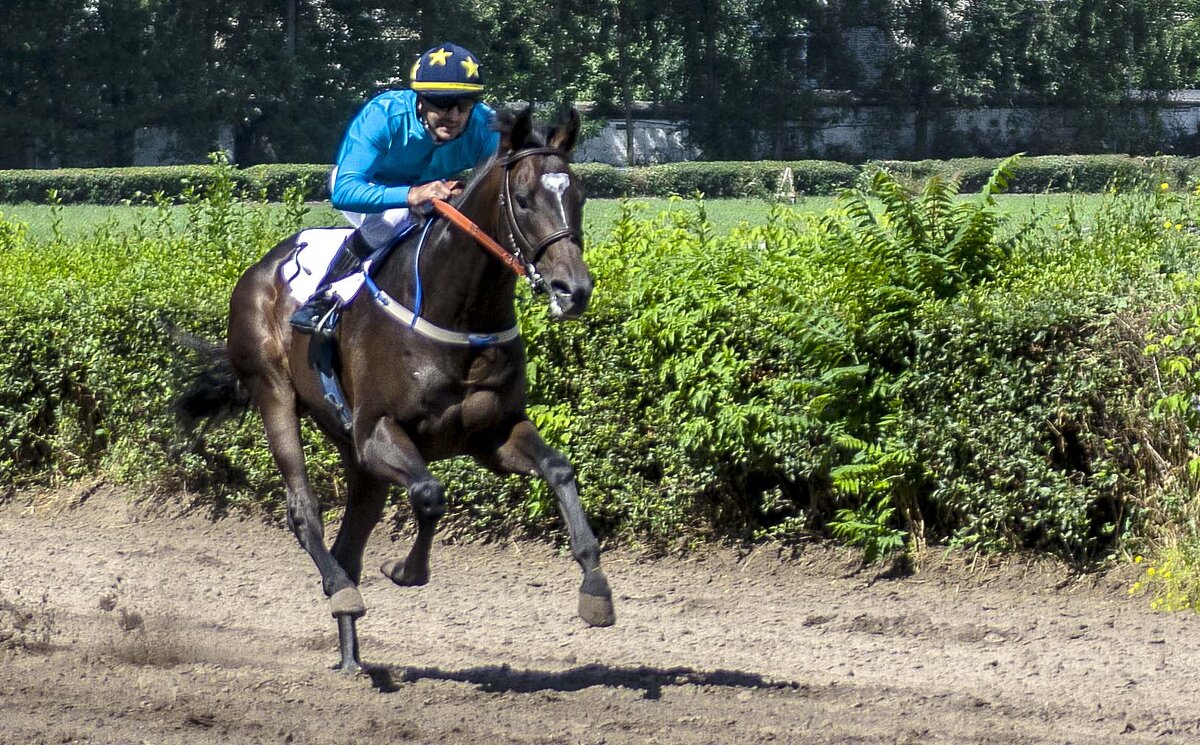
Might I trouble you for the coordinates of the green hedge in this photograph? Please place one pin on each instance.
(1052, 173)
(115, 185)
(902, 365)
(1083, 173)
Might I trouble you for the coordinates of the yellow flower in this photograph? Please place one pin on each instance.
(1138, 559)
(1151, 571)
(1164, 186)
(1178, 226)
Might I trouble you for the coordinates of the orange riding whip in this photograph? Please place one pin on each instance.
(453, 215)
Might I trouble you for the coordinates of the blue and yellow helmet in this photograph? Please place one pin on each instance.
(447, 71)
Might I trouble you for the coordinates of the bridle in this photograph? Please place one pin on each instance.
(523, 249)
(521, 262)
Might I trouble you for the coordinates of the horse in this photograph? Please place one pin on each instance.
(450, 381)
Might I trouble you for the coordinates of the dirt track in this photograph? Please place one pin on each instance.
(120, 626)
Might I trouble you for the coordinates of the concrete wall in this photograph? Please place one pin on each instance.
(654, 141)
(858, 133)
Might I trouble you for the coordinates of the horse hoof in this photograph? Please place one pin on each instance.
(595, 600)
(347, 602)
(398, 572)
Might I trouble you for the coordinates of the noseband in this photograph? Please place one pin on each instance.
(525, 250)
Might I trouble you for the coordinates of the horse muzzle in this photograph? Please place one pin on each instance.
(568, 302)
(566, 280)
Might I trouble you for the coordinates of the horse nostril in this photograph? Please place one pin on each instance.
(562, 289)
(572, 298)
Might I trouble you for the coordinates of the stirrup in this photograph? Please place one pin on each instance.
(307, 321)
(327, 323)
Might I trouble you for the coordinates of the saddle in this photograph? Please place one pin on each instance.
(303, 272)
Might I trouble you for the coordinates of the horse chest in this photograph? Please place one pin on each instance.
(481, 394)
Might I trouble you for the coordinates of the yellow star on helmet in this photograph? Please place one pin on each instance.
(471, 66)
(439, 57)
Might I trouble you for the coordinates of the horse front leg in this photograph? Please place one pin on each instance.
(278, 408)
(388, 453)
(525, 452)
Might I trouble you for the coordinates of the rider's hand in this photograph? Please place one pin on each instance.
(419, 195)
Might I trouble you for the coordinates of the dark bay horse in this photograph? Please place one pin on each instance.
(417, 396)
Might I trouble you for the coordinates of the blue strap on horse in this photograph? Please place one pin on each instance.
(321, 349)
(412, 318)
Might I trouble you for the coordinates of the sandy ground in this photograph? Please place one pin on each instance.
(123, 625)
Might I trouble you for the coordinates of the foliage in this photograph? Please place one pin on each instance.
(88, 370)
(1062, 173)
(1172, 580)
(911, 366)
(84, 80)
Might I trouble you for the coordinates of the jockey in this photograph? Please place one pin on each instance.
(401, 150)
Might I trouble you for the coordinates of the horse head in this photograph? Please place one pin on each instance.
(541, 213)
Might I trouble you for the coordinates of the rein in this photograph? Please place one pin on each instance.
(515, 260)
(463, 222)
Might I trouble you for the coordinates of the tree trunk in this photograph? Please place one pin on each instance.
(289, 25)
(626, 83)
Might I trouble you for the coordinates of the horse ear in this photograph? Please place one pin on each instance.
(515, 136)
(564, 136)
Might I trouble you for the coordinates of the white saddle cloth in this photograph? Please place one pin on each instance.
(305, 269)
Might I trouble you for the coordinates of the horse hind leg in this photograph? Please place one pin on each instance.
(366, 497)
(282, 426)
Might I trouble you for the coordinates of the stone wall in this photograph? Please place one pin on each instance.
(654, 141)
(857, 133)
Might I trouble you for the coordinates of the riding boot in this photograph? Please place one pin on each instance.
(319, 315)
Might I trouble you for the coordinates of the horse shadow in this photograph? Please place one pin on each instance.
(503, 679)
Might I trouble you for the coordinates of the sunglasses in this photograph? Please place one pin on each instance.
(464, 105)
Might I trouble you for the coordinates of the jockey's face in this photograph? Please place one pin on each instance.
(446, 123)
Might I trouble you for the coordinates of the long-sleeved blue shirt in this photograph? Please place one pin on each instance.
(387, 149)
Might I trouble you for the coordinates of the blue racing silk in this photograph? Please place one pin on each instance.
(387, 149)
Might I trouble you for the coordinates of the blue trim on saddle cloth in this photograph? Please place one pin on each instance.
(321, 349)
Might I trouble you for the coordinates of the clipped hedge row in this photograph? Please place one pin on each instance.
(914, 371)
(1055, 173)
(115, 185)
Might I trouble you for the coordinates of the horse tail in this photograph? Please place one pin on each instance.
(213, 394)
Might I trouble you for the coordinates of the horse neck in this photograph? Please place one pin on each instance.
(463, 287)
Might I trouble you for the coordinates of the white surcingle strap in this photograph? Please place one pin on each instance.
(405, 316)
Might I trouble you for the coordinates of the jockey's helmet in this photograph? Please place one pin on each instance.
(446, 72)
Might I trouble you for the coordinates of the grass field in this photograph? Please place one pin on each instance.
(599, 215)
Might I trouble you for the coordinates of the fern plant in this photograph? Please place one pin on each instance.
(915, 249)
(880, 477)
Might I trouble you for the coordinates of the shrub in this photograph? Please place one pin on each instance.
(104, 185)
(908, 365)
(272, 181)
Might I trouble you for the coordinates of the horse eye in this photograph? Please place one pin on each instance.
(523, 201)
